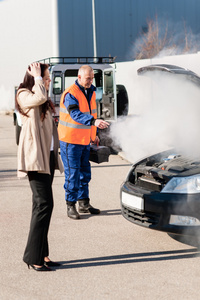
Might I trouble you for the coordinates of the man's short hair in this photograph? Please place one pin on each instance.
(84, 68)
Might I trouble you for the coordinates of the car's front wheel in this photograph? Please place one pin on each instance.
(193, 241)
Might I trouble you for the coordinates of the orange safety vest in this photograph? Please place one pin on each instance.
(70, 131)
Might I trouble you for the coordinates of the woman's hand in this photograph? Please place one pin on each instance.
(34, 69)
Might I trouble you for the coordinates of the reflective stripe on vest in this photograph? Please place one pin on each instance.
(80, 126)
(71, 131)
(64, 110)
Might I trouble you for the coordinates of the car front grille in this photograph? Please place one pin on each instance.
(141, 218)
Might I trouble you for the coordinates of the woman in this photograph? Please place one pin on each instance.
(38, 158)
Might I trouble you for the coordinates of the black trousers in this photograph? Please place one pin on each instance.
(42, 206)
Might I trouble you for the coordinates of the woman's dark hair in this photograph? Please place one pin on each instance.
(28, 83)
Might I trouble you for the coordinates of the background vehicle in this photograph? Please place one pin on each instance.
(112, 99)
(162, 191)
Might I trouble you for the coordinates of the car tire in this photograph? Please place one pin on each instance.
(193, 241)
(122, 100)
(17, 132)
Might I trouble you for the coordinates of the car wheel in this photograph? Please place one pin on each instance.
(122, 100)
(17, 132)
(193, 241)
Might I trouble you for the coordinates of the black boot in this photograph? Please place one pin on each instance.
(85, 207)
(71, 210)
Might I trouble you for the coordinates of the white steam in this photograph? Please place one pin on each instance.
(169, 119)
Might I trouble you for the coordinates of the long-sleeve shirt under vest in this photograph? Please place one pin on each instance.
(72, 105)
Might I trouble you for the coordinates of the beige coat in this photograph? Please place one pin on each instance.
(36, 136)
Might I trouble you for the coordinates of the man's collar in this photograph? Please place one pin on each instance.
(80, 86)
(92, 88)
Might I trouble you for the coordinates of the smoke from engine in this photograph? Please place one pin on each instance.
(169, 118)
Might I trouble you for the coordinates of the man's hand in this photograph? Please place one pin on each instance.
(96, 141)
(101, 124)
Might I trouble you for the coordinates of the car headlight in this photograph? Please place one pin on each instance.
(183, 185)
(183, 221)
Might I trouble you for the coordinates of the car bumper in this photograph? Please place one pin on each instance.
(155, 210)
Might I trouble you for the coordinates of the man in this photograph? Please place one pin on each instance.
(77, 128)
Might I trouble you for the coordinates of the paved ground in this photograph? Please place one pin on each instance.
(103, 257)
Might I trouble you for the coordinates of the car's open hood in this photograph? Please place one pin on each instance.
(170, 69)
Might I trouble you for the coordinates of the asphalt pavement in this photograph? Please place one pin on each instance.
(102, 257)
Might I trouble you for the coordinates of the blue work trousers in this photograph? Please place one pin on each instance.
(77, 170)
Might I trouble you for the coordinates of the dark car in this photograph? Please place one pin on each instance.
(162, 192)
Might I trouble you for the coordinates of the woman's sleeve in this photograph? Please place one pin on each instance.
(27, 99)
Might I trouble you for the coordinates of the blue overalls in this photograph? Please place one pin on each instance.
(76, 157)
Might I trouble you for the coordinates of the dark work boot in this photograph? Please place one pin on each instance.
(71, 210)
(85, 207)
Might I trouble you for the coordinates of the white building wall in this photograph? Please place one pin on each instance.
(28, 32)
